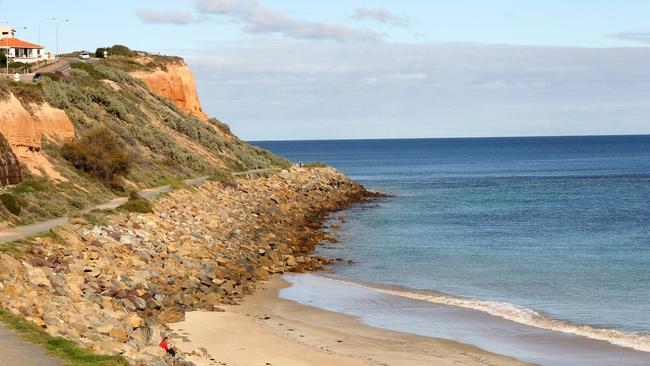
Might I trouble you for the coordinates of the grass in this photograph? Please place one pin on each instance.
(94, 217)
(173, 183)
(90, 69)
(67, 351)
(15, 248)
(225, 177)
(11, 203)
(19, 248)
(136, 203)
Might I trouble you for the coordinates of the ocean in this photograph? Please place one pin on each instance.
(535, 239)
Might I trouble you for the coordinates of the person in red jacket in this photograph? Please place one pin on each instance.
(167, 347)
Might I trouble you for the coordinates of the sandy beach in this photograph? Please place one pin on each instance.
(268, 330)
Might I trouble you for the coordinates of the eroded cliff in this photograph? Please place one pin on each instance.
(176, 83)
(9, 167)
(25, 125)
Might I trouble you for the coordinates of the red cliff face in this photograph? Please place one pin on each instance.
(24, 132)
(177, 84)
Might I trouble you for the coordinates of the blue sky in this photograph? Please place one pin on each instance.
(368, 69)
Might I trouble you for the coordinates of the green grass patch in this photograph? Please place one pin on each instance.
(136, 203)
(225, 177)
(12, 203)
(90, 69)
(70, 353)
(94, 217)
(173, 183)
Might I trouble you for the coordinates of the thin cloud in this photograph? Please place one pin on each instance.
(379, 15)
(345, 90)
(641, 37)
(260, 20)
(178, 17)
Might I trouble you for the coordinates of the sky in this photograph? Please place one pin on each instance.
(284, 70)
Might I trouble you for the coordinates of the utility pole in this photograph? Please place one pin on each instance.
(7, 51)
(39, 28)
(57, 36)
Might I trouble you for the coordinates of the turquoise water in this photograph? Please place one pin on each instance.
(558, 226)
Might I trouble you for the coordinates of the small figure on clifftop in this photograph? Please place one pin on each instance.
(300, 164)
(167, 347)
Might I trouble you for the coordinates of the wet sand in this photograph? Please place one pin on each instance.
(470, 326)
(268, 330)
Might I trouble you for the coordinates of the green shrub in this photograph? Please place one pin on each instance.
(225, 177)
(101, 153)
(31, 186)
(11, 203)
(136, 203)
(196, 130)
(90, 69)
(27, 93)
(99, 53)
(20, 66)
(119, 76)
(62, 95)
(220, 125)
(51, 76)
(111, 104)
(120, 50)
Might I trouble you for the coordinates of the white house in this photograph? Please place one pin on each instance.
(18, 50)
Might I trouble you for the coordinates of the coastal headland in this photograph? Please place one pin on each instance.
(114, 282)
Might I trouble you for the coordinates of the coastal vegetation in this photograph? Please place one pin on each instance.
(126, 137)
(101, 153)
(136, 203)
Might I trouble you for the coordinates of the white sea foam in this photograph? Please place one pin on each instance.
(523, 315)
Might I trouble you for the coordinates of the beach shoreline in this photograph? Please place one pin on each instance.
(266, 329)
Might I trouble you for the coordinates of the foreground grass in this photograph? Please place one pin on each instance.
(69, 353)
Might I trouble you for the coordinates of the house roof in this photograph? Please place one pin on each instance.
(16, 43)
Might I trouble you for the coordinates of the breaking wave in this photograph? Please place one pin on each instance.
(636, 340)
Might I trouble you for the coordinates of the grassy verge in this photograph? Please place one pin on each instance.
(69, 353)
(136, 203)
(18, 248)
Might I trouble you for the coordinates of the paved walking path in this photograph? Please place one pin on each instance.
(22, 232)
(16, 352)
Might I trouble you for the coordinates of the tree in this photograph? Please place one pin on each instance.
(3, 58)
